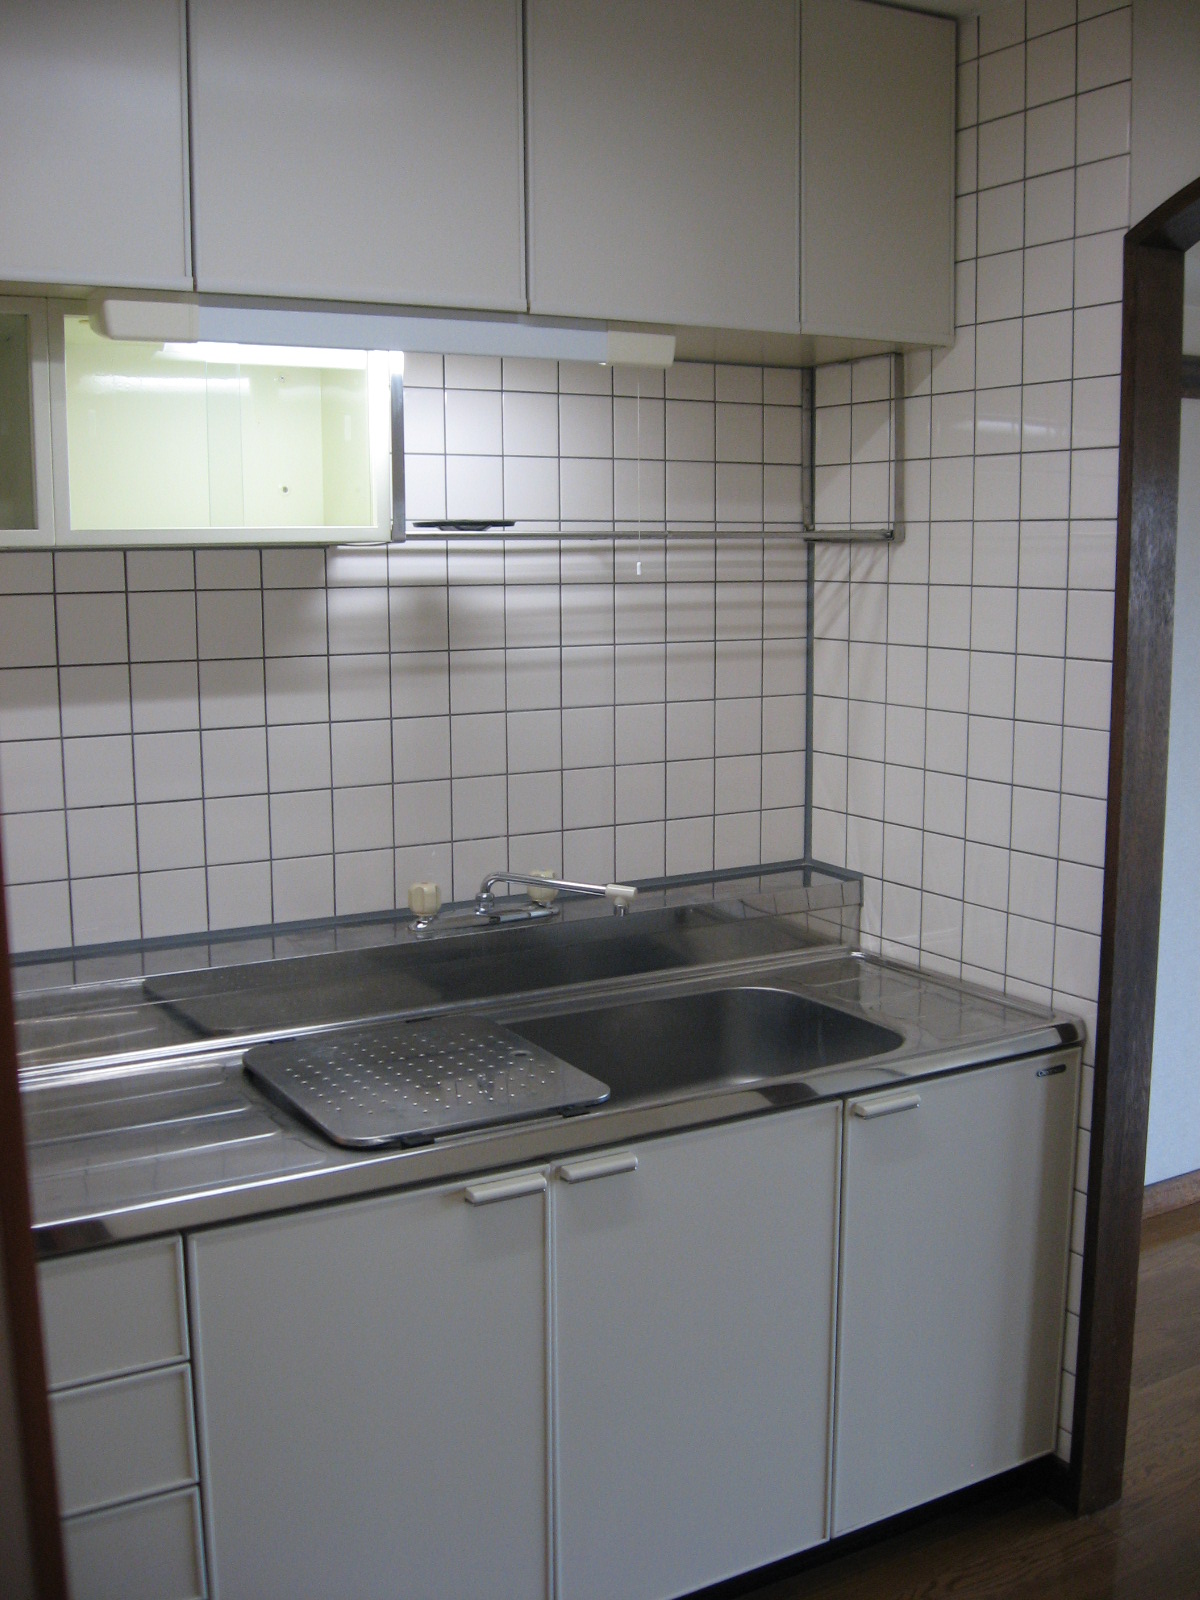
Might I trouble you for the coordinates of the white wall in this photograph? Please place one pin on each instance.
(1166, 101)
(1174, 1142)
(962, 680)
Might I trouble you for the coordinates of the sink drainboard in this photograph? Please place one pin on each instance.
(406, 1083)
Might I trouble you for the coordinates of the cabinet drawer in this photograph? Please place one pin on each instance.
(113, 1311)
(128, 1437)
(150, 1550)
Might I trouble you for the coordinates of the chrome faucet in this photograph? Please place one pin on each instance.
(543, 888)
(429, 922)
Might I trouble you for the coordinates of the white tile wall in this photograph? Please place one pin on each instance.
(222, 738)
(545, 443)
(962, 679)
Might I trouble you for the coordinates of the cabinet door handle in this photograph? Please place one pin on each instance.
(497, 1189)
(885, 1107)
(598, 1167)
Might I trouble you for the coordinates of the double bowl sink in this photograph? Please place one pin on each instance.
(469, 1031)
(401, 1082)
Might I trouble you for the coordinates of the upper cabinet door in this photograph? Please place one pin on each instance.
(877, 196)
(664, 160)
(93, 144)
(359, 151)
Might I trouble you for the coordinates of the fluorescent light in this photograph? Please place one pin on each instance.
(307, 335)
(267, 355)
(333, 327)
(264, 356)
(159, 383)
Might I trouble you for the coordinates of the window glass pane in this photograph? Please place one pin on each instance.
(17, 506)
(201, 436)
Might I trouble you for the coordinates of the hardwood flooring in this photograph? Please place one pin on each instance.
(1017, 1545)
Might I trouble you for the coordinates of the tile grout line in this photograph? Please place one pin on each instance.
(200, 751)
(133, 761)
(62, 745)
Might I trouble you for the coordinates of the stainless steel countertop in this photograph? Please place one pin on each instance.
(171, 1134)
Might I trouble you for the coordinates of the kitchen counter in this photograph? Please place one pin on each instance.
(141, 1121)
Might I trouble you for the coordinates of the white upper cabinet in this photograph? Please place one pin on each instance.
(93, 144)
(664, 161)
(877, 186)
(359, 151)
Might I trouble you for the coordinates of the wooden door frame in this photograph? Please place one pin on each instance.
(1148, 494)
(43, 1539)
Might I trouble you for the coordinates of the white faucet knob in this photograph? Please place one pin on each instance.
(541, 896)
(424, 899)
(620, 894)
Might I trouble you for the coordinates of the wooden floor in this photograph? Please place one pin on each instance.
(1018, 1547)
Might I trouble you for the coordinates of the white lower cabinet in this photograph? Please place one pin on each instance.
(145, 1550)
(612, 1376)
(956, 1205)
(373, 1377)
(115, 1329)
(124, 1439)
(372, 1397)
(693, 1315)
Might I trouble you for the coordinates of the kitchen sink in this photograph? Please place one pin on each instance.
(345, 985)
(676, 1043)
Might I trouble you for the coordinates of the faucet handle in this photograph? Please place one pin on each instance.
(539, 894)
(621, 894)
(424, 899)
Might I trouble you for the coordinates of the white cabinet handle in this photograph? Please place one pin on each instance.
(598, 1167)
(497, 1189)
(885, 1107)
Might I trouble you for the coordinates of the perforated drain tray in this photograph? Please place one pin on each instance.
(409, 1082)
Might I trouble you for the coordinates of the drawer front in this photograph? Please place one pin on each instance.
(113, 1311)
(128, 1437)
(149, 1550)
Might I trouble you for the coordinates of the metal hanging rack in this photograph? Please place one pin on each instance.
(806, 532)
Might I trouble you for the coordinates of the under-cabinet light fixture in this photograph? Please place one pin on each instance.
(158, 320)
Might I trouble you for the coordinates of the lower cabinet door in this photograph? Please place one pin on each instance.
(693, 1307)
(956, 1205)
(372, 1398)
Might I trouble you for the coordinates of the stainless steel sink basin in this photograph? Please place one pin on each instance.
(742, 1036)
(348, 985)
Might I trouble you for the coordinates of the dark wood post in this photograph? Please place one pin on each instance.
(1151, 379)
(21, 1303)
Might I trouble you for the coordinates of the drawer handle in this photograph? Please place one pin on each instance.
(598, 1167)
(491, 1193)
(885, 1108)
